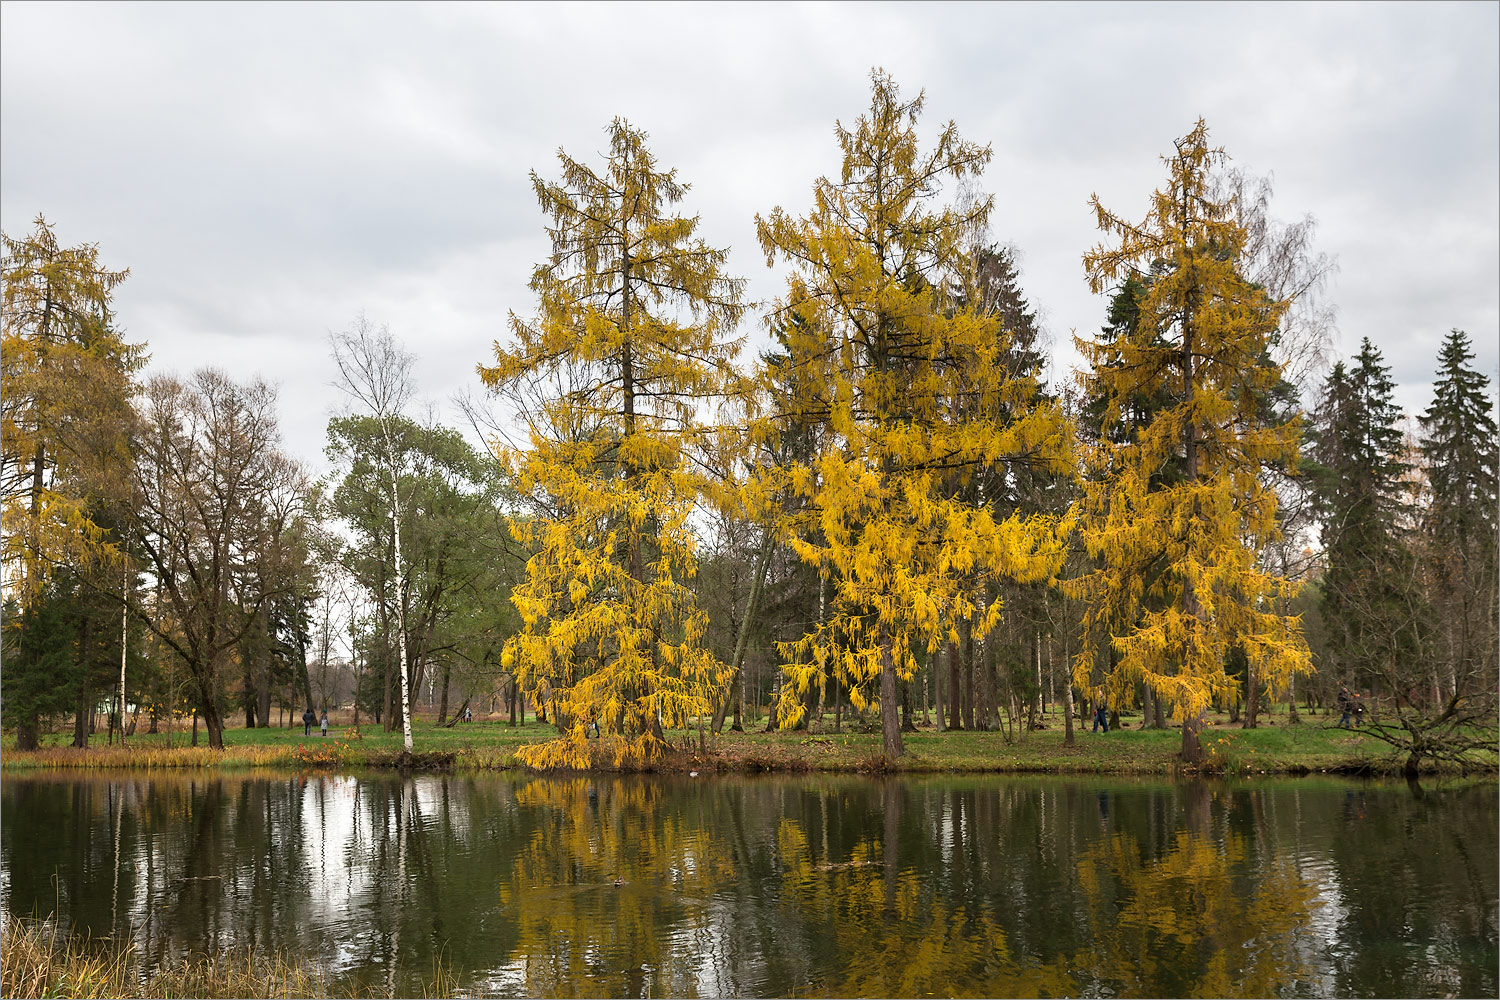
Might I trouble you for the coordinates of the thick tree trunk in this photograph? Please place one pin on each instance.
(212, 720)
(1068, 713)
(890, 721)
(83, 719)
(1252, 696)
(263, 691)
(966, 647)
(906, 724)
(955, 689)
(443, 698)
(1192, 744)
(1036, 639)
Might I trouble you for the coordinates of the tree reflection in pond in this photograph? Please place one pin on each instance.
(593, 885)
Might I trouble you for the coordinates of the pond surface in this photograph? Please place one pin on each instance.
(841, 886)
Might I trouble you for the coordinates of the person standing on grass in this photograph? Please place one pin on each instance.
(1346, 706)
(1359, 709)
(308, 718)
(325, 723)
(1101, 709)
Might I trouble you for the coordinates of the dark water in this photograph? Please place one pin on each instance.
(782, 886)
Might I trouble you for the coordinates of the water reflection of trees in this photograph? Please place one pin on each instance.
(823, 885)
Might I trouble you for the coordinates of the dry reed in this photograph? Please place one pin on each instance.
(35, 962)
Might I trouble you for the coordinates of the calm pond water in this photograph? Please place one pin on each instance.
(840, 886)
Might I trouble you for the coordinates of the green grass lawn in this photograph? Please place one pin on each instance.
(1274, 747)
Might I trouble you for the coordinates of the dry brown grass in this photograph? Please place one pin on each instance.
(151, 758)
(36, 962)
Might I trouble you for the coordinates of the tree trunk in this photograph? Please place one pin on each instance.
(966, 648)
(773, 708)
(1291, 701)
(890, 722)
(937, 685)
(1068, 713)
(84, 719)
(1192, 744)
(443, 699)
(906, 724)
(955, 690)
(1036, 639)
(1252, 696)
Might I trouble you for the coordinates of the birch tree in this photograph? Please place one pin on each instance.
(375, 373)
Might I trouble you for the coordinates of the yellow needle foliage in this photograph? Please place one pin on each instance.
(64, 408)
(628, 344)
(1176, 511)
(882, 351)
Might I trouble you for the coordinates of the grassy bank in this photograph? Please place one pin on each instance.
(1274, 747)
(35, 961)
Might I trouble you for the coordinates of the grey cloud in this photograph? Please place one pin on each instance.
(268, 171)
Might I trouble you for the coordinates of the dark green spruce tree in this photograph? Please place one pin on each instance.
(1459, 539)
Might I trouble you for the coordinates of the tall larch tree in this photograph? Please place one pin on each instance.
(634, 324)
(65, 390)
(908, 377)
(68, 380)
(1176, 587)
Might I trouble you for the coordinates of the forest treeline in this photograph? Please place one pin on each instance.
(887, 516)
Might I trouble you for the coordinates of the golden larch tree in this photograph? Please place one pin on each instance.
(68, 379)
(1177, 511)
(883, 346)
(631, 339)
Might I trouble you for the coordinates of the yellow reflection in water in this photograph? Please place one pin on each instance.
(1196, 922)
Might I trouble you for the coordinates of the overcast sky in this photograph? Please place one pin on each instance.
(268, 171)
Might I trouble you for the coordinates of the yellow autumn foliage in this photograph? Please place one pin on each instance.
(1176, 512)
(630, 344)
(882, 349)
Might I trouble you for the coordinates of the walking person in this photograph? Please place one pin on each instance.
(308, 718)
(1101, 712)
(325, 723)
(1359, 709)
(1346, 706)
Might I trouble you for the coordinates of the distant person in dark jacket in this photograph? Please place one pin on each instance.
(308, 718)
(1346, 706)
(1101, 713)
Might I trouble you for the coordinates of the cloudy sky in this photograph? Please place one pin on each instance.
(266, 171)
